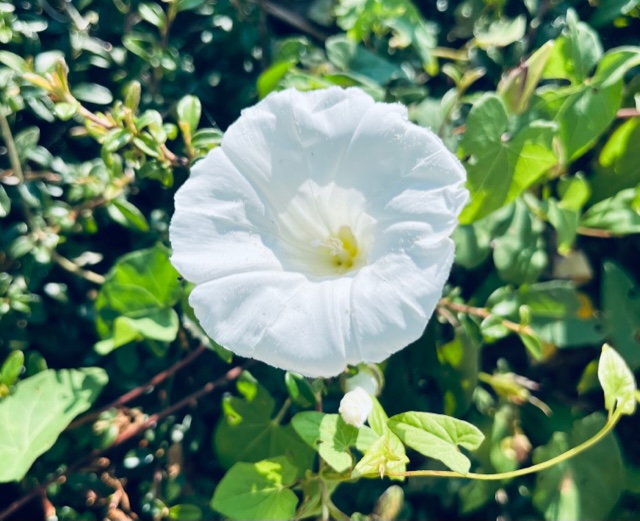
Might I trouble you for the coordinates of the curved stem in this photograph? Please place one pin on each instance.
(611, 423)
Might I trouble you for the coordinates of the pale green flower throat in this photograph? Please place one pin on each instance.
(341, 248)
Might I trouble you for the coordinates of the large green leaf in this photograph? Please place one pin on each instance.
(257, 491)
(136, 299)
(519, 253)
(585, 487)
(621, 306)
(37, 412)
(576, 53)
(618, 214)
(437, 436)
(348, 56)
(617, 166)
(332, 437)
(617, 381)
(502, 166)
(247, 431)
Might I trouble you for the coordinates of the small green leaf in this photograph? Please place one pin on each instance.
(185, 512)
(575, 53)
(299, 389)
(615, 214)
(11, 368)
(269, 79)
(332, 437)
(37, 412)
(206, 138)
(189, 113)
(386, 454)
(65, 111)
(5, 202)
(437, 436)
(502, 32)
(132, 217)
(257, 491)
(519, 85)
(92, 93)
(617, 381)
(116, 139)
(153, 14)
(13, 61)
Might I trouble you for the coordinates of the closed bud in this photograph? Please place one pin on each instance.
(355, 407)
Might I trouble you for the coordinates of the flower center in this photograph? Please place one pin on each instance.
(324, 231)
(342, 249)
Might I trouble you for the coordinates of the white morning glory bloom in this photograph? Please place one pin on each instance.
(355, 407)
(317, 234)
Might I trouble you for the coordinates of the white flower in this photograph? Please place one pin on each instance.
(317, 234)
(355, 407)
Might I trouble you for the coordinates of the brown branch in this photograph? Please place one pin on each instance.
(230, 375)
(628, 113)
(595, 232)
(142, 389)
(72, 267)
(293, 19)
(485, 313)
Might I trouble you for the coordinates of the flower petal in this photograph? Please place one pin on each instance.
(280, 318)
(220, 225)
(393, 298)
(292, 136)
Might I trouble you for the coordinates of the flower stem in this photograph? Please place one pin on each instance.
(611, 423)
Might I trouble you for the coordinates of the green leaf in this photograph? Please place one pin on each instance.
(615, 64)
(257, 491)
(37, 412)
(92, 93)
(610, 10)
(116, 139)
(576, 53)
(386, 454)
(502, 166)
(189, 113)
(185, 512)
(270, 78)
(585, 487)
(206, 138)
(519, 253)
(11, 368)
(153, 14)
(621, 306)
(502, 32)
(519, 85)
(247, 432)
(65, 111)
(616, 214)
(14, 62)
(299, 389)
(141, 285)
(5, 202)
(128, 215)
(348, 56)
(585, 114)
(617, 166)
(437, 436)
(617, 381)
(332, 437)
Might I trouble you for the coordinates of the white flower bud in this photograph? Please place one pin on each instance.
(355, 407)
